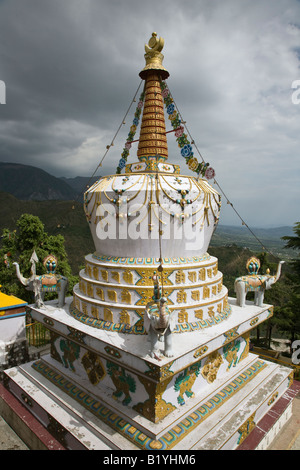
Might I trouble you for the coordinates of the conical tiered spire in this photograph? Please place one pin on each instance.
(153, 140)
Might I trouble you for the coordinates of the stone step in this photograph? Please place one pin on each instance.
(153, 430)
(228, 426)
(80, 428)
(76, 429)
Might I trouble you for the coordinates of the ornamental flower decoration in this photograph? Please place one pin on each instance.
(179, 131)
(187, 150)
(182, 140)
(210, 173)
(165, 93)
(122, 163)
(172, 116)
(193, 164)
(171, 108)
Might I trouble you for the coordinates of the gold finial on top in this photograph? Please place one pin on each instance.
(154, 57)
(155, 44)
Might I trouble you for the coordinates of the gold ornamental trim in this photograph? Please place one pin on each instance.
(146, 281)
(246, 428)
(152, 129)
(150, 152)
(148, 293)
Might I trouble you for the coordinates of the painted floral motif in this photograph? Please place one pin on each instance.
(193, 164)
(210, 173)
(122, 163)
(187, 150)
(171, 108)
(179, 131)
(172, 116)
(182, 140)
(165, 92)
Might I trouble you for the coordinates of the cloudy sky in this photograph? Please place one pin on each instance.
(71, 70)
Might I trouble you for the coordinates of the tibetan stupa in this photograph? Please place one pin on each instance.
(150, 353)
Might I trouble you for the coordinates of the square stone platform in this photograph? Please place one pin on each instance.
(100, 389)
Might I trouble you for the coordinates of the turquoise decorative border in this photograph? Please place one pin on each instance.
(130, 432)
(150, 261)
(138, 327)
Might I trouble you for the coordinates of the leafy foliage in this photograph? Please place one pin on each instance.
(294, 243)
(18, 246)
(232, 262)
(65, 218)
(291, 309)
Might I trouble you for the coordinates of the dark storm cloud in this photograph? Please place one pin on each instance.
(71, 69)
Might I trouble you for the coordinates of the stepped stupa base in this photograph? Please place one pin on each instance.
(75, 426)
(210, 395)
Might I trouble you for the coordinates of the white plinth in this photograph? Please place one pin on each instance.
(216, 413)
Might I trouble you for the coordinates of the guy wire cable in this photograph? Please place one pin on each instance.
(108, 146)
(221, 190)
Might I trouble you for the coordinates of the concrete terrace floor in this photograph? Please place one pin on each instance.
(9, 440)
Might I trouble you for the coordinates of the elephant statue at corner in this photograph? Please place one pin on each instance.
(50, 282)
(159, 323)
(254, 282)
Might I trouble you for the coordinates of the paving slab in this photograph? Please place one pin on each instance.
(9, 440)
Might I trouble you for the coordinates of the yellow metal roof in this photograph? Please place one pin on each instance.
(7, 301)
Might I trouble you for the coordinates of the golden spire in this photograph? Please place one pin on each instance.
(154, 57)
(153, 140)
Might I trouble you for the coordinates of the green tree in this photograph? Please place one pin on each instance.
(19, 244)
(277, 296)
(294, 243)
(292, 308)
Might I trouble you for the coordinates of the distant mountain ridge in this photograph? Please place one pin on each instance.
(271, 232)
(30, 183)
(270, 238)
(80, 183)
